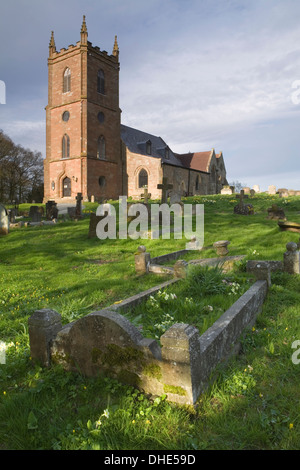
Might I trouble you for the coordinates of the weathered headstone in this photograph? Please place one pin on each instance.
(283, 192)
(272, 189)
(241, 208)
(145, 196)
(246, 190)
(92, 198)
(4, 222)
(165, 186)
(286, 226)
(43, 326)
(94, 220)
(227, 190)
(175, 198)
(252, 192)
(12, 216)
(51, 210)
(142, 260)
(78, 211)
(275, 212)
(221, 247)
(35, 214)
(256, 188)
(72, 212)
(291, 260)
(180, 269)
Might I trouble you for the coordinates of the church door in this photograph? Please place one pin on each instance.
(66, 187)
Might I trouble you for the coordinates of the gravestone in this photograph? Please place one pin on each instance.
(226, 190)
(283, 192)
(92, 198)
(272, 189)
(72, 212)
(51, 210)
(291, 260)
(78, 209)
(165, 186)
(35, 214)
(241, 208)
(275, 212)
(252, 192)
(94, 220)
(256, 188)
(175, 198)
(286, 226)
(145, 196)
(142, 260)
(12, 216)
(180, 269)
(4, 222)
(246, 190)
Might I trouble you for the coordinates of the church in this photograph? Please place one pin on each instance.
(89, 151)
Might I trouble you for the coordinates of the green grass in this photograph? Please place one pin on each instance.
(254, 402)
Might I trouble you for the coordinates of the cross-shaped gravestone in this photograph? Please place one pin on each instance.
(164, 187)
(78, 204)
(146, 195)
(241, 197)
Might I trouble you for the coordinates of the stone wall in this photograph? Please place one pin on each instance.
(105, 342)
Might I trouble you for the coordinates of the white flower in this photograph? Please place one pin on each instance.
(106, 413)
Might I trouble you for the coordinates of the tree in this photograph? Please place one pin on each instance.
(21, 172)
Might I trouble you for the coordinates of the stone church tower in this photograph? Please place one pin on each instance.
(83, 149)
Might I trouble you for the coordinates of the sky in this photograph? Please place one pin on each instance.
(201, 74)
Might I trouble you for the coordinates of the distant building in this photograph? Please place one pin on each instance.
(87, 148)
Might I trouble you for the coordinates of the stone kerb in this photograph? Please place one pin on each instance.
(106, 342)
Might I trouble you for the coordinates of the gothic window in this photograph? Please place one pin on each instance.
(66, 116)
(101, 148)
(67, 81)
(143, 178)
(100, 82)
(100, 117)
(102, 181)
(148, 147)
(65, 146)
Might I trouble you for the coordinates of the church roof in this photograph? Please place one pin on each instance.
(196, 161)
(136, 141)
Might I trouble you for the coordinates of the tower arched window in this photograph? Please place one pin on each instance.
(100, 82)
(143, 178)
(65, 146)
(67, 80)
(101, 148)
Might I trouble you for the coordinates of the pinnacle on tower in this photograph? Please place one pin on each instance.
(83, 32)
(52, 47)
(116, 48)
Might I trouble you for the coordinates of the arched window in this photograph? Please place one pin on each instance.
(100, 82)
(65, 146)
(148, 147)
(101, 148)
(143, 178)
(67, 81)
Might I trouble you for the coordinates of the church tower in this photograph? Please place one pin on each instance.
(83, 146)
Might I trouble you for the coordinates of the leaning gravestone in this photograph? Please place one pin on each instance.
(4, 222)
(289, 226)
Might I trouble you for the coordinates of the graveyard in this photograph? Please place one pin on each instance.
(251, 401)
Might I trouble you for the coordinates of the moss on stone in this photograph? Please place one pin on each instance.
(153, 370)
(116, 356)
(174, 389)
(96, 354)
(129, 378)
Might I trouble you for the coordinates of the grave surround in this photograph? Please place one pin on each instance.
(106, 342)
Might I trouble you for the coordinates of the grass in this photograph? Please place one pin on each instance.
(254, 402)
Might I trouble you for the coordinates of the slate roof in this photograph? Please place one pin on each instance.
(196, 161)
(135, 140)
